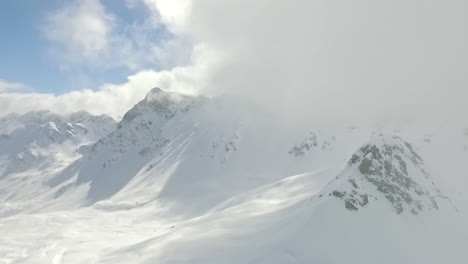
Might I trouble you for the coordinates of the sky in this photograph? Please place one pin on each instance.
(32, 45)
(101, 56)
(333, 60)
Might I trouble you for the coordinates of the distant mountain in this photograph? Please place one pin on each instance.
(11, 122)
(36, 145)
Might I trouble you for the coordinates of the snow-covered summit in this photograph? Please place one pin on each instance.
(387, 169)
(141, 135)
(141, 125)
(160, 103)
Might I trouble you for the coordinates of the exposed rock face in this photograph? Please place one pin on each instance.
(310, 142)
(388, 169)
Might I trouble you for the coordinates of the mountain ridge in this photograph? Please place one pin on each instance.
(185, 179)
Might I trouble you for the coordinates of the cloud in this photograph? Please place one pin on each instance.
(324, 60)
(173, 13)
(9, 87)
(343, 60)
(86, 33)
(82, 28)
(113, 99)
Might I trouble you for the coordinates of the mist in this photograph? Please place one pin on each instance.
(391, 61)
(387, 62)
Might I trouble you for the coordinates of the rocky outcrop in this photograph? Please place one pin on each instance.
(387, 169)
(310, 142)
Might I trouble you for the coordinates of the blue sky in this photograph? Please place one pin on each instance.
(28, 56)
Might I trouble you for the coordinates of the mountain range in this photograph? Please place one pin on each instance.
(190, 179)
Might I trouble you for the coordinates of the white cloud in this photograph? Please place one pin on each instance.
(86, 33)
(173, 13)
(8, 87)
(342, 59)
(330, 60)
(82, 28)
(113, 99)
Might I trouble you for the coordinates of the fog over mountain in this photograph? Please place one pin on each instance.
(393, 60)
(280, 132)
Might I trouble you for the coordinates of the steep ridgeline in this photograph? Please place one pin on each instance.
(194, 152)
(141, 125)
(387, 169)
(115, 159)
(35, 146)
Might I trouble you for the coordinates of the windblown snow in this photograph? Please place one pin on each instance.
(183, 179)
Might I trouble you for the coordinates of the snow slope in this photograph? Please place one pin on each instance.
(195, 180)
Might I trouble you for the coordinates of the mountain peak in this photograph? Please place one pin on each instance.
(155, 92)
(387, 168)
(163, 103)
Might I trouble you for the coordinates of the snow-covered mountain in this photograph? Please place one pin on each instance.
(184, 179)
(219, 142)
(35, 146)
